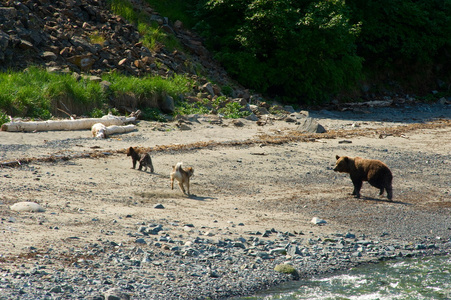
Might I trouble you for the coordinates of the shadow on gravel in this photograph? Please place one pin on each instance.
(384, 200)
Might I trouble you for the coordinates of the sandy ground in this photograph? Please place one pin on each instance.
(249, 183)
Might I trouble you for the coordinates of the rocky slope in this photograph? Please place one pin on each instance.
(60, 35)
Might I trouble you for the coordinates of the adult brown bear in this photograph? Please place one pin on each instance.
(374, 171)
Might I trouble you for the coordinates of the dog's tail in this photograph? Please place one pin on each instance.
(178, 166)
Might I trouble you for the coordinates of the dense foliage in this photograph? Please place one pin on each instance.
(36, 93)
(309, 50)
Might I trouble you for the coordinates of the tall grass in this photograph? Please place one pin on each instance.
(21, 93)
(35, 93)
(149, 85)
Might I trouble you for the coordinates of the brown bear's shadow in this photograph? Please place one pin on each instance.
(368, 198)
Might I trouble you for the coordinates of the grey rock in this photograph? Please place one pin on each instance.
(167, 104)
(310, 125)
(318, 221)
(350, 236)
(293, 250)
(116, 294)
(289, 109)
(48, 55)
(252, 117)
(26, 45)
(27, 206)
(208, 88)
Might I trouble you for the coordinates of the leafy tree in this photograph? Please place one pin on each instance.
(297, 48)
(411, 31)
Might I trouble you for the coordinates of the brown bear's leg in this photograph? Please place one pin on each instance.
(357, 186)
(389, 193)
(134, 163)
(151, 166)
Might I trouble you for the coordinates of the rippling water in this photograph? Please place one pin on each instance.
(419, 278)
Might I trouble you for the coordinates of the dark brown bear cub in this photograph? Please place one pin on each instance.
(374, 171)
(143, 159)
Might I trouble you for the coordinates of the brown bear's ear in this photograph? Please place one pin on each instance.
(346, 158)
(337, 157)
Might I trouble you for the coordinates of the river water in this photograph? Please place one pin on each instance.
(416, 278)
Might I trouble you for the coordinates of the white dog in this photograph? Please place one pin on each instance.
(99, 130)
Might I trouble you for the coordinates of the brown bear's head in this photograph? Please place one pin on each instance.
(342, 164)
(130, 151)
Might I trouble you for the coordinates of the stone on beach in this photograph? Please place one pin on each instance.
(318, 221)
(27, 207)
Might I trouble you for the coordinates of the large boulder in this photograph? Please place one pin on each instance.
(309, 125)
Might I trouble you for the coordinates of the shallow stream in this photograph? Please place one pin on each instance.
(416, 278)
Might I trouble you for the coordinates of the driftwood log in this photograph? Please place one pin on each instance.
(77, 124)
(101, 131)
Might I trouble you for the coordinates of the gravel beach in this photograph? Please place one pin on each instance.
(111, 232)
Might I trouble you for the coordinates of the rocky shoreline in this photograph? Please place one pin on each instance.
(160, 265)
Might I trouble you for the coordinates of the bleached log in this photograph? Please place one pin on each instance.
(113, 129)
(78, 124)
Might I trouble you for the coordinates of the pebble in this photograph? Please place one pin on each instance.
(318, 221)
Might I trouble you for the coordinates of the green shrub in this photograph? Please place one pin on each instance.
(233, 110)
(153, 114)
(220, 105)
(184, 108)
(227, 90)
(4, 118)
(398, 30)
(96, 113)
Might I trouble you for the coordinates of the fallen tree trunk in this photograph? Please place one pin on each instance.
(113, 129)
(78, 124)
(101, 131)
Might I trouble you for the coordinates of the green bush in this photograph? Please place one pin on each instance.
(184, 108)
(220, 105)
(153, 114)
(4, 118)
(233, 110)
(399, 30)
